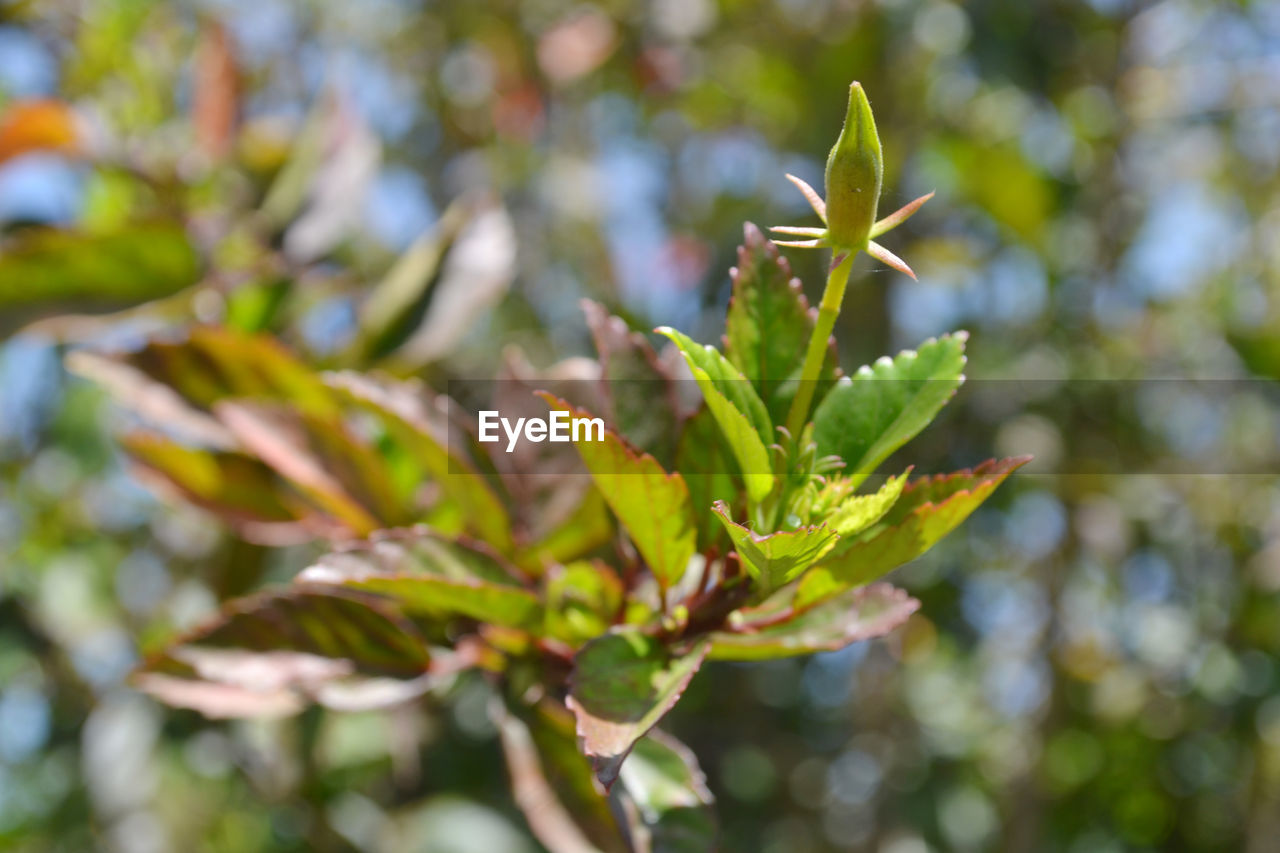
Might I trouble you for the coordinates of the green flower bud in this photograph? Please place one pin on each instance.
(854, 171)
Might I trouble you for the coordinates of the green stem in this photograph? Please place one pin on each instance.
(828, 310)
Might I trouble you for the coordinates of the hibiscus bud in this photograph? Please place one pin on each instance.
(854, 171)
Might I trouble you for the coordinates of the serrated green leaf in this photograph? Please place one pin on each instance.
(769, 325)
(652, 505)
(855, 615)
(229, 484)
(864, 419)
(774, 559)
(742, 417)
(929, 509)
(859, 512)
(429, 575)
(248, 394)
(176, 384)
(413, 551)
(154, 403)
(671, 804)
(324, 459)
(267, 654)
(214, 363)
(621, 686)
(715, 371)
(496, 604)
(402, 409)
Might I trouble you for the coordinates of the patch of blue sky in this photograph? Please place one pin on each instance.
(634, 193)
(828, 676)
(42, 188)
(398, 208)
(387, 100)
(263, 30)
(1002, 605)
(104, 658)
(613, 119)
(921, 309)
(30, 386)
(328, 326)
(1148, 577)
(1036, 524)
(1189, 234)
(1015, 287)
(24, 722)
(27, 68)
(737, 164)
(783, 193)
(1015, 686)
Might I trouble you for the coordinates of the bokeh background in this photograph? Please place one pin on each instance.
(1097, 663)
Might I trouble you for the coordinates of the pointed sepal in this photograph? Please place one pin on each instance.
(800, 244)
(880, 253)
(899, 216)
(802, 232)
(811, 195)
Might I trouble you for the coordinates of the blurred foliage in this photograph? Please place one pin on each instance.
(1095, 664)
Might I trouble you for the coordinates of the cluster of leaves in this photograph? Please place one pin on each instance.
(733, 540)
(705, 529)
(1042, 265)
